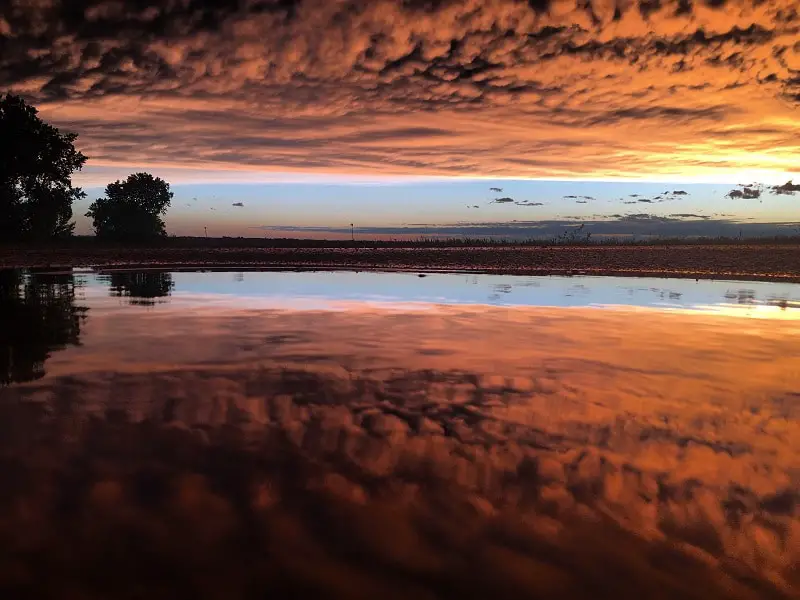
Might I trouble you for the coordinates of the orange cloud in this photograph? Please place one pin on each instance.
(555, 89)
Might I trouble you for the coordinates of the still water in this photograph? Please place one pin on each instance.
(342, 434)
(324, 289)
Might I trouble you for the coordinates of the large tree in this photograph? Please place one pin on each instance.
(132, 209)
(36, 165)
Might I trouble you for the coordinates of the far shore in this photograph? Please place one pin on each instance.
(741, 260)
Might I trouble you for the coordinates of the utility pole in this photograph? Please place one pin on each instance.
(352, 234)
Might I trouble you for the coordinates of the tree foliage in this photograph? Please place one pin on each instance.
(36, 165)
(132, 209)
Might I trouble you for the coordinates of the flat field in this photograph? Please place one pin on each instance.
(731, 261)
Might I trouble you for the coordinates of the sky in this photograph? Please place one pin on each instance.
(441, 117)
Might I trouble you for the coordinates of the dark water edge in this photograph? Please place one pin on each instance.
(740, 261)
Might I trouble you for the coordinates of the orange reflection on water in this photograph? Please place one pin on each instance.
(373, 451)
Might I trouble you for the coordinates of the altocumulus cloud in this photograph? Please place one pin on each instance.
(405, 87)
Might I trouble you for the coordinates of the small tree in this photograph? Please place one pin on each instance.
(36, 166)
(131, 210)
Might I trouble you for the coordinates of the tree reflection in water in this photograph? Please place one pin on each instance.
(142, 288)
(40, 316)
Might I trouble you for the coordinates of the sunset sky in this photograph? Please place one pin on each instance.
(297, 118)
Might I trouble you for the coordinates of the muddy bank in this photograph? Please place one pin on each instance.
(739, 261)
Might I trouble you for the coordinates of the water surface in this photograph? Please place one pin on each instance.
(322, 288)
(221, 434)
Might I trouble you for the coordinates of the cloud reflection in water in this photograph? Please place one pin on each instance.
(458, 451)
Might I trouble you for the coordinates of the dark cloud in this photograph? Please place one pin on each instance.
(580, 202)
(496, 189)
(660, 113)
(646, 200)
(746, 192)
(689, 216)
(239, 204)
(786, 189)
(680, 193)
(645, 217)
(508, 200)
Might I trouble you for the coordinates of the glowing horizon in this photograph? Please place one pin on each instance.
(98, 174)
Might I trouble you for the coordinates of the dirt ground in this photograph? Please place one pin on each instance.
(769, 262)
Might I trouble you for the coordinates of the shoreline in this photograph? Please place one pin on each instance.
(758, 262)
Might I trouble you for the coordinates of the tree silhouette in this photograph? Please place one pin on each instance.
(39, 316)
(131, 210)
(36, 164)
(140, 287)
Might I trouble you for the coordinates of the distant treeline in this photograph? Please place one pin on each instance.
(79, 241)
